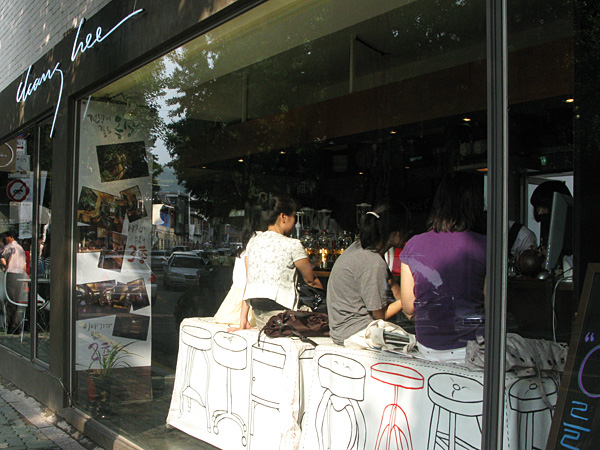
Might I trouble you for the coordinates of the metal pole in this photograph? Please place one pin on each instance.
(497, 226)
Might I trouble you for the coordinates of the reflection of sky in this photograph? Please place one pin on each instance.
(160, 149)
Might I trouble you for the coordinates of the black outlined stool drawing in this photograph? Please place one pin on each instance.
(229, 351)
(394, 430)
(268, 361)
(196, 339)
(527, 398)
(452, 396)
(344, 382)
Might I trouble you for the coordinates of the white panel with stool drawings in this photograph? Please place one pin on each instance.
(235, 392)
(362, 400)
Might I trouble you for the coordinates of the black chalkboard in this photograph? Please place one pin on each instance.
(576, 421)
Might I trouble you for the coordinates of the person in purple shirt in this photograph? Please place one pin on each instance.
(443, 271)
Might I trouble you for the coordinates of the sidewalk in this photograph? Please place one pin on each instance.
(26, 424)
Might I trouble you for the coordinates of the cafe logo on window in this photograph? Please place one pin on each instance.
(27, 87)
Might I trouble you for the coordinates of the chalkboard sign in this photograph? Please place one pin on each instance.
(576, 421)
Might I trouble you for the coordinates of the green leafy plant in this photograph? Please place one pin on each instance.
(110, 360)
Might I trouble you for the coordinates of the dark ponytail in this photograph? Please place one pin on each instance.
(383, 220)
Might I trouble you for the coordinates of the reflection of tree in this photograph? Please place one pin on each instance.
(211, 132)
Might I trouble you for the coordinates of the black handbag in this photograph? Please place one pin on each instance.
(314, 298)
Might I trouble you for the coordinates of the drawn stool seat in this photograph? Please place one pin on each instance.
(266, 389)
(457, 396)
(394, 427)
(526, 396)
(344, 382)
(229, 350)
(196, 339)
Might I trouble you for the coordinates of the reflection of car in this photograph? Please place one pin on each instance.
(204, 298)
(181, 269)
(180, 248)
(157, 259)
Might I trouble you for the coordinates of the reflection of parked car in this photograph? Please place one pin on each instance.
(181, 269)
(180, 248)
(205, 297)
(157, 259)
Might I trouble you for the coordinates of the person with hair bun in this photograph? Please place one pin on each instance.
(360, 283)
(443, 271)
(273, 262)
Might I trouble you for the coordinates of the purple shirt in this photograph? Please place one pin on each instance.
(449, 273)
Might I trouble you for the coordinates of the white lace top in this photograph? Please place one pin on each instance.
(271, 270)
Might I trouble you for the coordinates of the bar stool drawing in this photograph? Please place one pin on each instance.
(196, 339)
(305, 359)
(394, 428)
(453, 395)
(344, 382)
(526, 396)
(229, 351)
(268, 361)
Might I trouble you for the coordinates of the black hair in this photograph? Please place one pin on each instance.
(458, 203)
(543, 194)
(384, 219)
(278, 204)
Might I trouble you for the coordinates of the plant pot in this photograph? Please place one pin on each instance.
(99, 388)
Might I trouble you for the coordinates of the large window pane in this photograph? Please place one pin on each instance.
(340, 104)
(541, 301)
(43, 255)
(16, 200)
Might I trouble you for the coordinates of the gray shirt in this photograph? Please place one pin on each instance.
(357, 284)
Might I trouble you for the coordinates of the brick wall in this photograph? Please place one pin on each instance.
(30, 28)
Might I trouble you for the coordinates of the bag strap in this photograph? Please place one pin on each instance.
(299, 335)
(293, 331)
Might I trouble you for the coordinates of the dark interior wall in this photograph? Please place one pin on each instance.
(587, 139)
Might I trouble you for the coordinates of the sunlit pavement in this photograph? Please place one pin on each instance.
(26, 424)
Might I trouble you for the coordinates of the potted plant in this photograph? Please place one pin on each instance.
(100, 376)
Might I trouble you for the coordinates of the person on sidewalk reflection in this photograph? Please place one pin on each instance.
(361, 283)
(443, 271)
(14, 263)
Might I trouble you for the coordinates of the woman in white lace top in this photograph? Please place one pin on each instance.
(274, 260)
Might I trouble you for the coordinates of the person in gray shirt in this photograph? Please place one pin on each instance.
(360, 282)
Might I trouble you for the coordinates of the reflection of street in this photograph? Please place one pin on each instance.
(164, 329)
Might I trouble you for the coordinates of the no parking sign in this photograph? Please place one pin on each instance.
(17, 190)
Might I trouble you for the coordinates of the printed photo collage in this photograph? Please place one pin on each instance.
(101, 220)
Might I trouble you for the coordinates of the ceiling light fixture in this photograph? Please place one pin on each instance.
(466, 119)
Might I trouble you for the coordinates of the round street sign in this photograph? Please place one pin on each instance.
(17, 190)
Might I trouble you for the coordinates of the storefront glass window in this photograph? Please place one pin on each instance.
(44, 177)
(339, 104)
(541, 303)
(16, 225)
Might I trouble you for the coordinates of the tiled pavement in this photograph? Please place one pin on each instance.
(26, 424)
